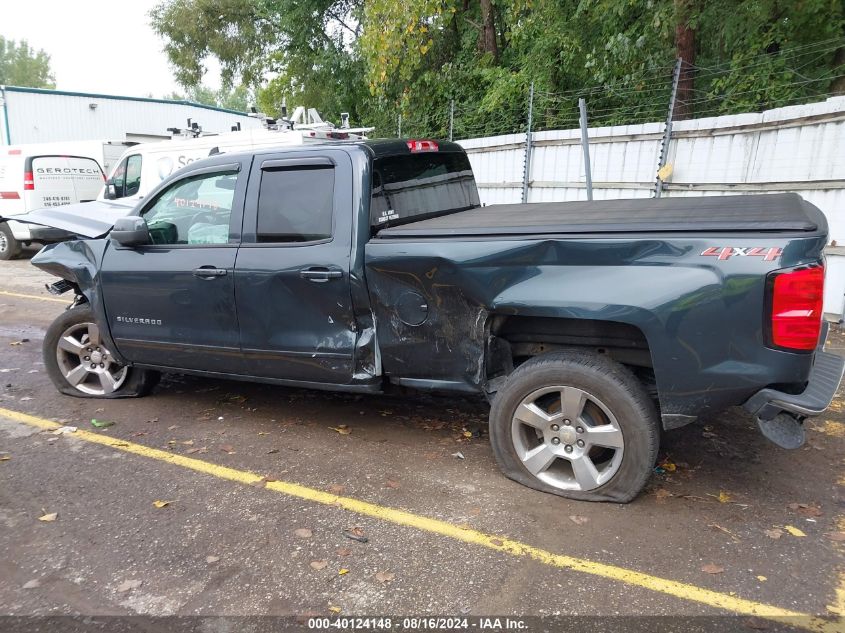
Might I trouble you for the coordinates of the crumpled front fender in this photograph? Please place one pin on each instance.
(79, 262)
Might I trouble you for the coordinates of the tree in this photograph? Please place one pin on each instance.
(20, 65)
(239, 98)
(385, 59)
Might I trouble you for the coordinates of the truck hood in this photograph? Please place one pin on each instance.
(85, 219)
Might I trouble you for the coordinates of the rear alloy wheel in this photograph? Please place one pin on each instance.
(567, 438)
(575, 424)
(79, 364)
(9, 246)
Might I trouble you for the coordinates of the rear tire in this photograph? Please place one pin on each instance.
(79, 365)
(575, 424)
(10, 248)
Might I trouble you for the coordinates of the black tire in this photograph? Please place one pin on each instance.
(136, 382)
(600, 377)
(10, 248)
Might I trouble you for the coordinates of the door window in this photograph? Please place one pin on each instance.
(194, 210)
(295, 205)
(133, 175)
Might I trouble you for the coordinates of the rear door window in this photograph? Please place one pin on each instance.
(295, 204)
(410, 187)
(61, 180)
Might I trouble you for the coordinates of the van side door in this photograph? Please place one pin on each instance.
(292, 272)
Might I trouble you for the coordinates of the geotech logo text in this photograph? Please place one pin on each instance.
(726, 252)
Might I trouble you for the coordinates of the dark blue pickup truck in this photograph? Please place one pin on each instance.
(590, 326)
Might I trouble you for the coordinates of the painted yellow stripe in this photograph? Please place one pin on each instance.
(459, 533)
(39, 297)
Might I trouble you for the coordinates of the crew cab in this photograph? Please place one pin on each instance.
(589, 326)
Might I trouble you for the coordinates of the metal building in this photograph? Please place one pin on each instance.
(35, 115)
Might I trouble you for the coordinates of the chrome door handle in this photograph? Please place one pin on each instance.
(320, 274)
(209, 272)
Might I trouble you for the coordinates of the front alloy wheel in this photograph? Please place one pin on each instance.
(86, 364)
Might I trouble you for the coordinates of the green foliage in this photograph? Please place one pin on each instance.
(20, 65)
(239, 98)
(382, 59)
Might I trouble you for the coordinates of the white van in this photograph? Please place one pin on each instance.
(143, 166)
(47, 175)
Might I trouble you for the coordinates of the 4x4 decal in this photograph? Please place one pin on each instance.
(726, 252)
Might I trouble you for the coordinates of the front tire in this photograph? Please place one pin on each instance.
(10, 248)
(575, 424)
(80, 365)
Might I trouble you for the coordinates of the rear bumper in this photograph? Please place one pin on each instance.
(824, 380)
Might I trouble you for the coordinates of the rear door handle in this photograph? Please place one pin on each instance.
(320, 274)
(209, 272)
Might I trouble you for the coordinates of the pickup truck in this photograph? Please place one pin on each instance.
(591, 327)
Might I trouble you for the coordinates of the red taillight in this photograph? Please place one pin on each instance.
(422, 146)
(28, 181)
(14, 152)
(797, 308)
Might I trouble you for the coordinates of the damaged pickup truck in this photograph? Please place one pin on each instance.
(590, 326)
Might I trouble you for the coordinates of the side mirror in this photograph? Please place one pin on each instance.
(131, 231)
(111, 190)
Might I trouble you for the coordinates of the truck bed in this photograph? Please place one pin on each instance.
(786, 212)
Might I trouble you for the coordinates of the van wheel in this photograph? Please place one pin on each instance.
(9, 246)
(80, 365)
(575, 424)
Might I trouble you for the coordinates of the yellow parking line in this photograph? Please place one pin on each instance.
(40, 298)
(499, 543)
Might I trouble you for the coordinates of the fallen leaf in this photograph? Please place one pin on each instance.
(226, 448)
(342, 571)
(169, 428)
(578, 520)
(32, 584)
(467, 434)
(64, 430)
(793, 530)
(385, 576)
(710, 568)
(392, 484)
(334, 609)
(272, 450)
(762, 578)
(806, 510)
(128, 585)
(497, 542)
(343, 429)
(662, 494)
(263, 433)
(211, 559)
(668, 466)
(101, 424)
(343, 551)
(836, 536)
(303, 533)
(319, 564)
(48, 518)
(160, 504)
(774, 533)
(337, 489)
(5, 458)
(188, 442)
(724, 497)
(458, 455)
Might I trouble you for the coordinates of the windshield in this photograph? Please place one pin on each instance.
(411, 187)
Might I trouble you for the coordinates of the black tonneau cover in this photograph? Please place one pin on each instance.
(752, 213)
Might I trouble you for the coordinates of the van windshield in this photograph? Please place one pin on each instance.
(411, 187)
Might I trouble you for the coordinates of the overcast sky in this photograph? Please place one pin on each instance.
(104, 46)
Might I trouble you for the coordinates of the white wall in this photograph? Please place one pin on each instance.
(47, 116)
